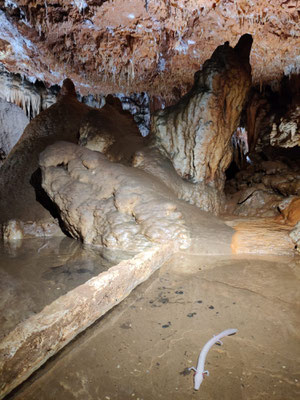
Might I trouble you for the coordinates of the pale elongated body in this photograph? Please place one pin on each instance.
(199, 371)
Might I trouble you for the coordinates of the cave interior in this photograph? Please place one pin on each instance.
(150, 198)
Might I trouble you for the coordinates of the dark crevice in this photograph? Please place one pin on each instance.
(42, 197)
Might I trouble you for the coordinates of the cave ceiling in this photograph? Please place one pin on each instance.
(143, 45)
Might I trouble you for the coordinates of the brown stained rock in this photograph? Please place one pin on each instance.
(273, 117)
(256, 111)
(19, 176)
(110, 204)
(295, 236)
(287, 132)
(264, 188)
(112, 132)
(289, 211)
(38, 338)
(195, 133)
(253, 202)
(273, 167)
(136, 45)
(68, 89)
(263, 236)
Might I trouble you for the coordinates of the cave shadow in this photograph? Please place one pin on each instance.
(42, 197)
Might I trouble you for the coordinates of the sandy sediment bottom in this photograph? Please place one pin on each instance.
(143, 347)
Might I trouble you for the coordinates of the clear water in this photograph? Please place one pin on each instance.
(143, 347)
(35, 272)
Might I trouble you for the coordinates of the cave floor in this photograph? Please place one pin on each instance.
(141, 349)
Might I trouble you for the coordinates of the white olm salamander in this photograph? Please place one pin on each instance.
(199, 371)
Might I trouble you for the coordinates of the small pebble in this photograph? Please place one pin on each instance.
(190, 315)
(211, 307)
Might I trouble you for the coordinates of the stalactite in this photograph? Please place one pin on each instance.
(24, 94)
(239, 141)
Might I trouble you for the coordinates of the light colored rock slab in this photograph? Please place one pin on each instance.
(261, 236)
(34, 341)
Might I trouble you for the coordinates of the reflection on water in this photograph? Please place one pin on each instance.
(35, 272)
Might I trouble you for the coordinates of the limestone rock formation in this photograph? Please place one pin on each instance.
(19, 176)
(111, 131)
(139, 106)
(257, 119)
(295, 236)
(25, 94)
(142, 45)
(240, 146)
(264, 188)
(195, 133)
(15, 230)
(287, 132)
(290, 210)
(272, 115)
(12, 122)
(261, 236)
(110, 204)
(252, 202)
(201, 195)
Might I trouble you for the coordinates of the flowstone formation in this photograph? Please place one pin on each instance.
(121, 193)
(120, 190)
(108, 203)
(195, 133)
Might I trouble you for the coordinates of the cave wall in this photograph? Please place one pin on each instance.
(266, 181)
(19, 175)
(12, 124)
